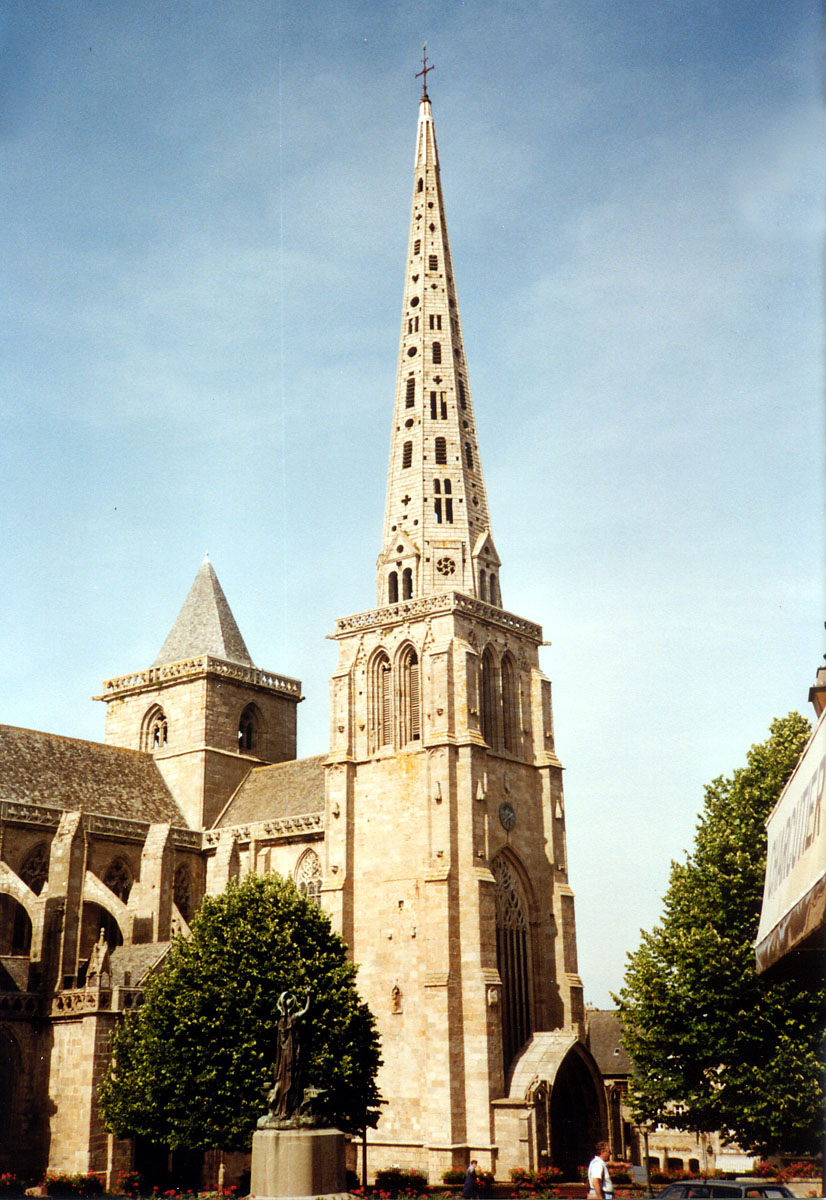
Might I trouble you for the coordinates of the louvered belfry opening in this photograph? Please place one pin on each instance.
(409, 696)
(512, 960)
(381, 703)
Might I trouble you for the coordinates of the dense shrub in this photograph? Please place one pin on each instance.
(12, 1185)
(62, 1185)
(128, 1183)
(401, 1183)
(454, 1175)
(533, 1183)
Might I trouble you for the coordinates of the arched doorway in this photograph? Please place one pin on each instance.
(559, 1083)
(576, 1119)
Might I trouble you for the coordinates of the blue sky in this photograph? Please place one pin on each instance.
(205, 222)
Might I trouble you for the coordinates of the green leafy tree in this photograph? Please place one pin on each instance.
(190, 1069)
(714, 1045)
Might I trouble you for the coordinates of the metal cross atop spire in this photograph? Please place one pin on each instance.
(424, 71)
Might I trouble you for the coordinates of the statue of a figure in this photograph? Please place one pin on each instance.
(99, 962)
(286, 1095)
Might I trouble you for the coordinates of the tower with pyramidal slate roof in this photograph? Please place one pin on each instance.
(445, 834)
(203, 709)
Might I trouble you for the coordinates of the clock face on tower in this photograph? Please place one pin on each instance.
(507, 817)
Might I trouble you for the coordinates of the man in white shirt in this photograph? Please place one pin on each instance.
(599, 1180)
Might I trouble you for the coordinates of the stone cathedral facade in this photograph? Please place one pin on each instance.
(433, 830)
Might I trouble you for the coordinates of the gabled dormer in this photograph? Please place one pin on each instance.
(486, 564)
(399, 566)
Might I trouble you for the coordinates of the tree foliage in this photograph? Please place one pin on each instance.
(713, 1044)
(190, 1069)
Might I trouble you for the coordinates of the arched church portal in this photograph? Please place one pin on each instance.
(558, 1080)
(576, 1120)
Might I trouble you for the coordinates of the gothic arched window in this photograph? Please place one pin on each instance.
(437, 352)
(155, 732)
(381, 702)
(392, 588)
(407, 583)
(487, 699)
(308, 875)
(512, 958)
(35, 869)
(510, 706)
(249, 729)
(118, 879)
(410, 696)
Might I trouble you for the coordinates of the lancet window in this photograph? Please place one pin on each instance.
(443, 500)
(381, 702)
(249, 729)
(510, 705)
(407, 583)
(512, 958)
(437, 352)
(409, 696)
(392, 588)
(410, 396)
(487, 699)
(407, 454)
(155, 733)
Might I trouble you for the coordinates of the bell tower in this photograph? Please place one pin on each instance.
(204, 711)
(446, 868)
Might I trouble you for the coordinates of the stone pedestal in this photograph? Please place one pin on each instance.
(298, 1163)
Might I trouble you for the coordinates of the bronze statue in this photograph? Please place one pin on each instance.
(286, 1096)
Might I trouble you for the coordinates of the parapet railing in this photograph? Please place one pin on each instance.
(445, 602)
(201, 664)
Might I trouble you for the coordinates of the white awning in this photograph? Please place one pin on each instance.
(794, 893)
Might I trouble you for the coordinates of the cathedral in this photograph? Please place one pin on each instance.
(432, 831)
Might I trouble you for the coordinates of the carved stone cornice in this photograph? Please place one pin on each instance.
(445, 602)
(278, 827)
(192, 668)
(47, 816)
(43, 815)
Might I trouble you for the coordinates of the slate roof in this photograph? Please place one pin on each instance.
(205, 625)
(605, 1041)
(43, 768)
(138, 960)
(287, 789)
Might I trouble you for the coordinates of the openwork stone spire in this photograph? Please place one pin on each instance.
(436, 525)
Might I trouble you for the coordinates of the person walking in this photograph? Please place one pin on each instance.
(599, 1179)
(471, 1188)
